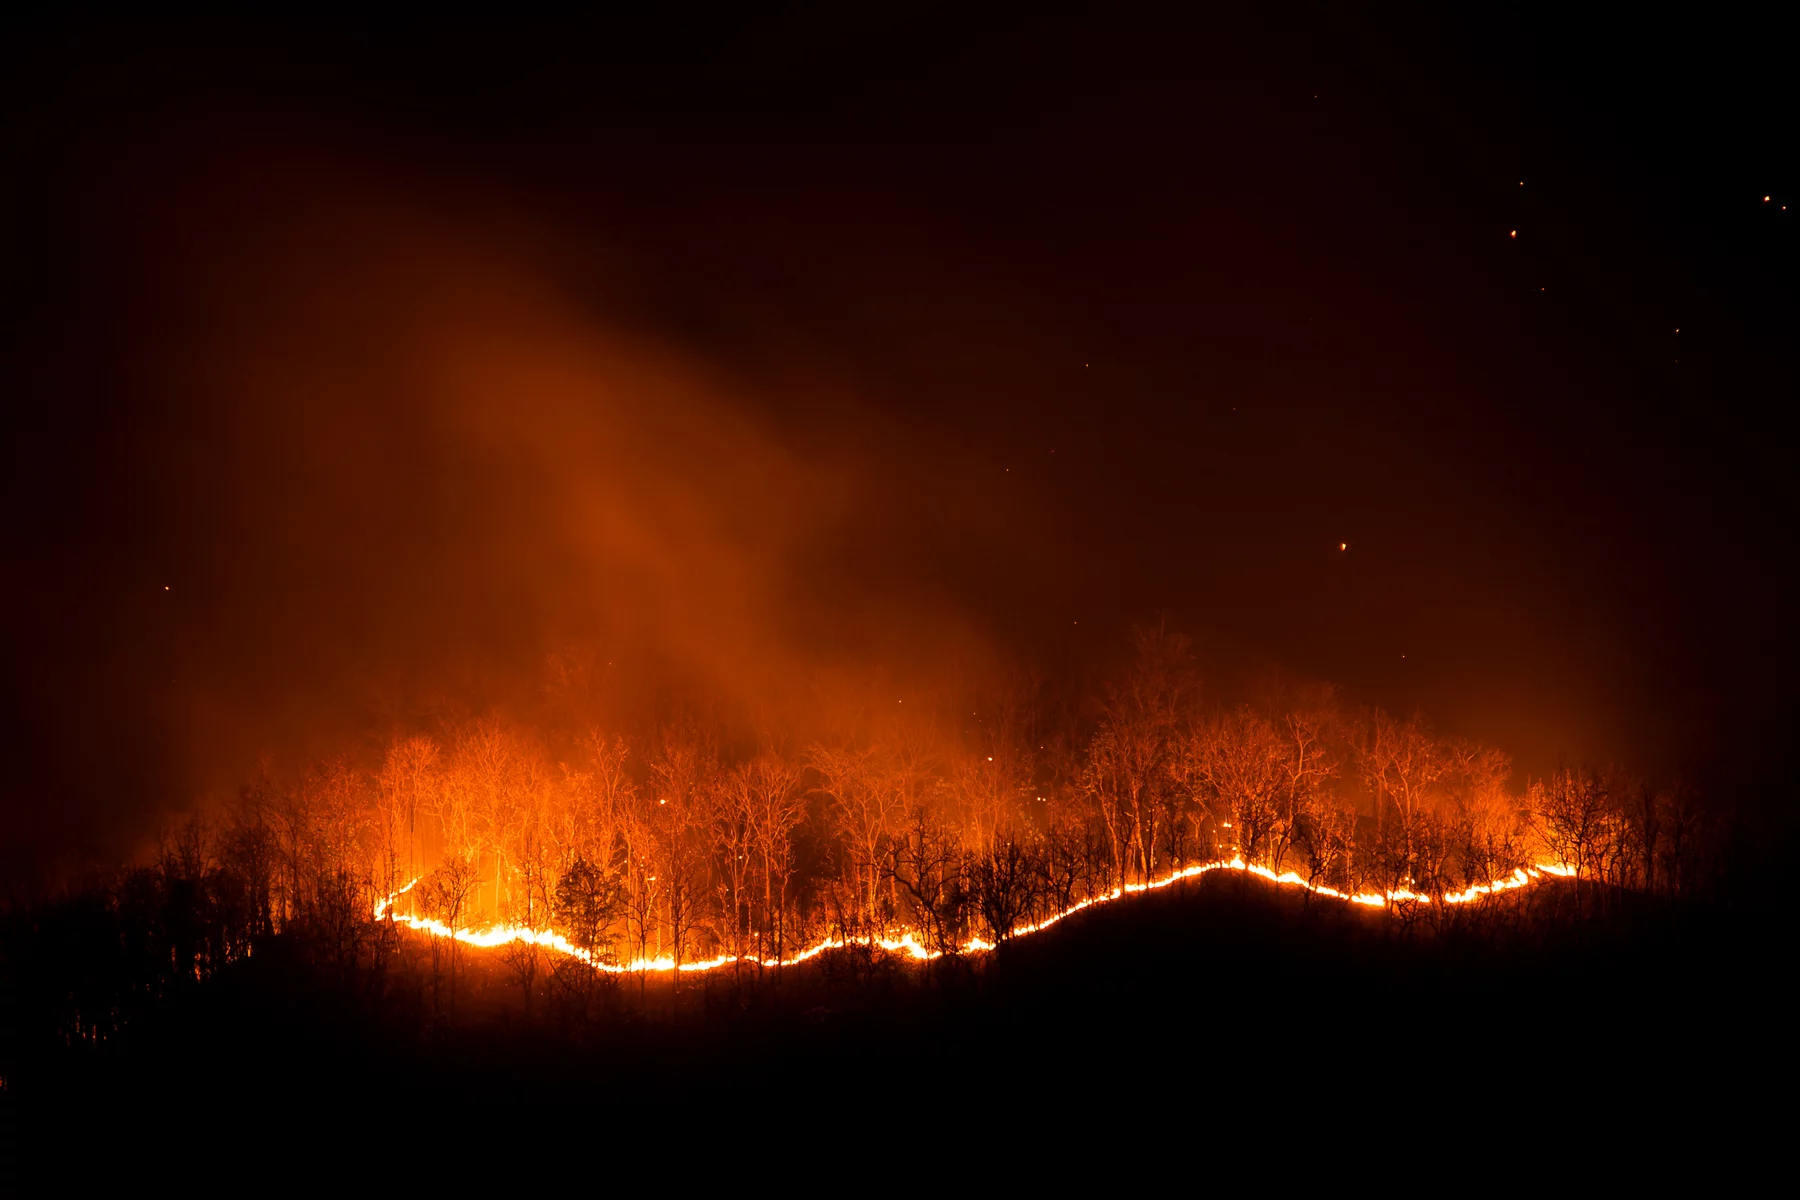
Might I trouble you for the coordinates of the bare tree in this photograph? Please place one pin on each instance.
(1644, 809)
(1571, 812)
(409, 778)
(776, 805)
(503, 776)
(734, 845)
(686, 792)
(1401, 764)
(1326, 836)
(444, 894)
(864, 806)
(1001, 883)
(1139, 720)
(1309, 762)
(1686, 825)
(1237, 761)
(1073, 863)
(926, 861)
(535, 880)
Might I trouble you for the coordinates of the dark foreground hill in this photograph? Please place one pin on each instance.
(1222, 997)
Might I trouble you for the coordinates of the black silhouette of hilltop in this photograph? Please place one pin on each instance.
(1226, 991)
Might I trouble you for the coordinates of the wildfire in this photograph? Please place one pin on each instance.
(908, 943)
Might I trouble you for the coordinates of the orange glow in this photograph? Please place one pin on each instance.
(908, 943)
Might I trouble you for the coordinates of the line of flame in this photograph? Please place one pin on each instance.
(907, 943)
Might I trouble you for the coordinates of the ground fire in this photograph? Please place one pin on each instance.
(947, 832)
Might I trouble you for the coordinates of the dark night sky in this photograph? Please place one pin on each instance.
(991, 326)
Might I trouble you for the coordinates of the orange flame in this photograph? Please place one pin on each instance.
(908, 943)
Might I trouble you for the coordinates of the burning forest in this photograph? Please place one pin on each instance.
(944, 569)
(680, 859)
(579, 862)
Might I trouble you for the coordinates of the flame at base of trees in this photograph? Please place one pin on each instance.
(672, 842)
(930, 830)
(908, 943)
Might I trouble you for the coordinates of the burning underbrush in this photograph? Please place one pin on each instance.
(583, 900)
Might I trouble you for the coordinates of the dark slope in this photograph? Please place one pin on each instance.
(1206, 997)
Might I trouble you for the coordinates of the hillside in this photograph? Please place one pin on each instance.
(1226, 978)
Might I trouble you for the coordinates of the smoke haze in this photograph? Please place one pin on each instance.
(366, 405)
